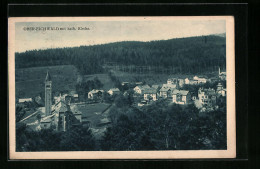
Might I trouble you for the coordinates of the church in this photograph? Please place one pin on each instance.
(58, 116)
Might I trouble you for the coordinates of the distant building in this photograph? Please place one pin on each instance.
(138, 83)
(181, 97)
(150, 94)
(221, 75)
(95, 94)
(220, 90)
(113, 91)
(124, 83)
(139, 89)
(181, 82)
(186, 81)
(175, 81)
(76, 97)
(199, 80)
(207, 96)
(25, 100)
(165, 91)
(48, 94)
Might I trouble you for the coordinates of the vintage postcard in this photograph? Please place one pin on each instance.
(121, 87)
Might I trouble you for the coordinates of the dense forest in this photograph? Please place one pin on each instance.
(183, 55)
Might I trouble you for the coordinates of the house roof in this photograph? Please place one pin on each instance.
(209, 91)
(61, 107)
(47, 119)
(96, 91)
(182, 92)
(143, 87)
(115, 90)
(150, 91)
(25, 100)
(155, 86)
(167, 87)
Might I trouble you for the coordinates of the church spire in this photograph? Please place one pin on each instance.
(48, 76)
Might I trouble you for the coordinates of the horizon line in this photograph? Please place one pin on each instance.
(39, 49)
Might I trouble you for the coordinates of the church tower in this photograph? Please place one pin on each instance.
(48, 91)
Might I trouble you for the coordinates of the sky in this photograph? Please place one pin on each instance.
(101, 32)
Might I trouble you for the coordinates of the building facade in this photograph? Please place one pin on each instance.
(48, 94)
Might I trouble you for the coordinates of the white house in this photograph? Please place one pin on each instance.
(113, 91)
(150, 94)
(139, 89)
(166, 89)
(175, 81)
(199, 80)
(181, 96)
(186, 81)
(220, 90)
(95, 94)
(207, 96)
(25, 100)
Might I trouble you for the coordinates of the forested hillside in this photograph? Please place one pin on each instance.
(183, 55)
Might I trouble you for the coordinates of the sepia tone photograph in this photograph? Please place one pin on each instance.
(121, 88)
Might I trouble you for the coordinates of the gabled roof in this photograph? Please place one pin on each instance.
(96, 91)
(143, 87)
(47, 119)
(167, 87)
(25, 100)
(61, 107)
(115, 90)
(208, 91)
(48, 76)
(150, 91)
(155, 86)
(182, 92)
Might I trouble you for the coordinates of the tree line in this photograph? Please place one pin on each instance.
(182, 55)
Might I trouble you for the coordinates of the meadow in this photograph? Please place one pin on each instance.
(30, 81)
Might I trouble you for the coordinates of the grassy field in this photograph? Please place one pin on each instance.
(30, 81)
(92, 112)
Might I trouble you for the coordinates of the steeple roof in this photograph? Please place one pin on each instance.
(48, 76)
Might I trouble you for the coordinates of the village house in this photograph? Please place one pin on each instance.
(175, 81)
(207, 96)
(186, 81)
(198, 80)
(124, 83)
(113, 91)
(150, 94)
(220, 90)
(165, 91)
(76, 97)
(181, 97)
(139, 89)
(95, 94)
(25, 100)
